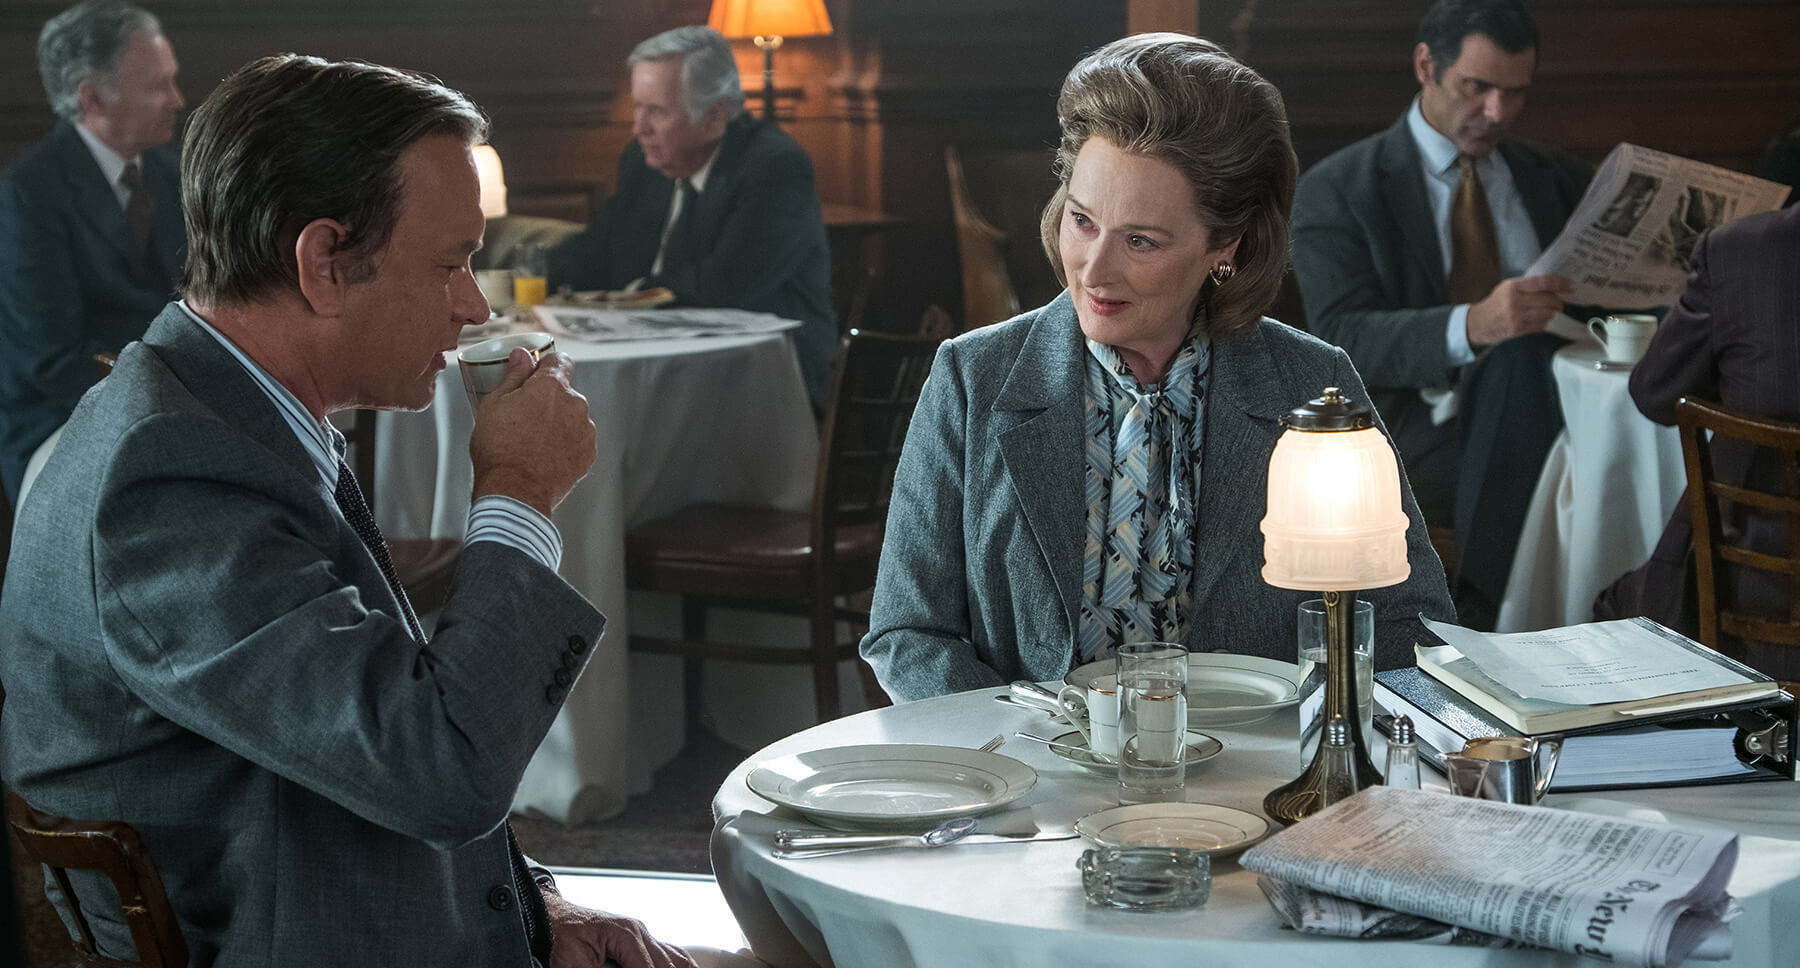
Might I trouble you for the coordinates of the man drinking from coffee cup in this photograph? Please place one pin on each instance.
(201, 633)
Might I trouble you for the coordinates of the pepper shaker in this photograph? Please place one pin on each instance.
(1403, 756)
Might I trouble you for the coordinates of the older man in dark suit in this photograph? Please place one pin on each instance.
(1409, 248)
(1734, 338)
(710, 202)
(224, 659)
(90, 218)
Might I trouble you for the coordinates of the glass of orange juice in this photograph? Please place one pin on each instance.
(529, 287)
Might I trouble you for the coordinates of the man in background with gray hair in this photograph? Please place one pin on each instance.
(710, 202)
(91, 239)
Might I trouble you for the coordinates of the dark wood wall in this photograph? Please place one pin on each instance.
(876, 103)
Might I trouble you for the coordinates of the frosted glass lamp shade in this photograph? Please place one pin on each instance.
(784, 18)
(493, 181)
(1335, 521)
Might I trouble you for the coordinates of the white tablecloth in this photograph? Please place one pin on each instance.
(716, 419)
(1609, 484)
(1022, 904)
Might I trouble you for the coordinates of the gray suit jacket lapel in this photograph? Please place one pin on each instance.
(1241, 427)
(1404, 191)
(1537, 185)
(1043, 398)
(216, 379)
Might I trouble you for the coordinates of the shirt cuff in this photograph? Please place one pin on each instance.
(512, 522)
(1456, 336)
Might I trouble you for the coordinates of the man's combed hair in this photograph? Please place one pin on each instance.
(1505, 22)
(709, 73)
(288, 140)
(1186, 102)
(84, 42)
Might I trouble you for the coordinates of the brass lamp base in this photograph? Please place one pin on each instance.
(1305, 795)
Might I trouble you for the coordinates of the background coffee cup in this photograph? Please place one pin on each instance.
(497, 286)
(1623, 338)
(1095, 712)
(483, 365)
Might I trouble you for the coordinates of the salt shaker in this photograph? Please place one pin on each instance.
(1403, 756)
(1340, 763)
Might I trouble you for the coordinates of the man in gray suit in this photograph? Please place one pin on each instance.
(1452, 343)
(201, 634)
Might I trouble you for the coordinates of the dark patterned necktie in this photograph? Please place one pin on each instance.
(356, 511)
(1474, 249)
(349, 497)
(140, 208)
(673, 232)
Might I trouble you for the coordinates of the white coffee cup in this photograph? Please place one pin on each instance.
(1095, 712)
(1624, 338)
(497, 286)
(483, 365)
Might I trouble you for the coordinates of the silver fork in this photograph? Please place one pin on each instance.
(991, 745)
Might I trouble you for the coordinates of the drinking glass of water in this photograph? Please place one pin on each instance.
(1152, 721)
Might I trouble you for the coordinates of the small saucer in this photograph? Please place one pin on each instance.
(1074, 748)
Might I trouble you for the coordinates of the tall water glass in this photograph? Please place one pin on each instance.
(1311, 625)
(1152, 721)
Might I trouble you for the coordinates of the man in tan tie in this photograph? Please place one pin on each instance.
(91, 239)
(1409, 247)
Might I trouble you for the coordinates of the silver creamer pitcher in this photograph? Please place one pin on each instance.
(1510, 769)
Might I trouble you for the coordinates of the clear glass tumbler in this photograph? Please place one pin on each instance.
(1310, 622)
(1152, 721)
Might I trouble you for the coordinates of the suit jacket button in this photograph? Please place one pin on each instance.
(500, 898)
(564, 677)
(577, 644)
(555, 694)
(571, 661)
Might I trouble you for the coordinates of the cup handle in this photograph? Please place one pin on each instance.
(1073, 702)
(1599, 333)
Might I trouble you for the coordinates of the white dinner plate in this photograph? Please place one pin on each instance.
(1074, 748)
(1224, 689)
(899, 785)
(1199, 826)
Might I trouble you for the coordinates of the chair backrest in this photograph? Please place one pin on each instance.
(114, 850)
(1726, 517)
(988, 294)
(875, 384)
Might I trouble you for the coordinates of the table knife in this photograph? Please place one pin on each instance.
(816, 848)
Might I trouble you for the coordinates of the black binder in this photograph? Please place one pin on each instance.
(1723, 744)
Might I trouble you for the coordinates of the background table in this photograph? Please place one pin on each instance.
(716, 419)
(1609, 484)
(1023, 905)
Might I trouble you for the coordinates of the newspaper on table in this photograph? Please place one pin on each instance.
(1630, 242)
(608, 325)
(1625, 891)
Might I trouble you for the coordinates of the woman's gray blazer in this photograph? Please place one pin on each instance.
(980, 577)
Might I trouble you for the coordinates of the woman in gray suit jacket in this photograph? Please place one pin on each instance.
(1093, 472)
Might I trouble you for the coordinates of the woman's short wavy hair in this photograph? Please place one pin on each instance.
(1186, 102)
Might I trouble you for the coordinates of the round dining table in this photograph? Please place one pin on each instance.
(1609, 484)
(721, 419)
(1022, 904)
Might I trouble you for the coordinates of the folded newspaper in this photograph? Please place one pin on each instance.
(1420, 864)
(1629, 244)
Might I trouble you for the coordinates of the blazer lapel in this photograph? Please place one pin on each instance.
(1403, 190)
(93, 198)
(1044, 396)
(1536, 183)
(1241, 419)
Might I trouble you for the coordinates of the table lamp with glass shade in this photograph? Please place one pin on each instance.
(493, 181)
(768, 23)
(1335, 524)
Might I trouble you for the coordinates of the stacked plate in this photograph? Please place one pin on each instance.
(1223, 689)
(901, 786)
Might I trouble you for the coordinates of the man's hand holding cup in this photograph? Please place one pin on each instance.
(533, 437)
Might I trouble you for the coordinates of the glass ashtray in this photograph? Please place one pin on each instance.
(1146, 878)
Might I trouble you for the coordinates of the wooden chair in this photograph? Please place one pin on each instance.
(426, 567)
(114, 850)
(988, 294)
(1720, 539)
(793, 561)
